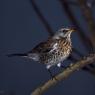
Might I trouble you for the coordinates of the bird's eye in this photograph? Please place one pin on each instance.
(65, 31)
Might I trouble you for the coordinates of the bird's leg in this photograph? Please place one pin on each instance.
(51, 75)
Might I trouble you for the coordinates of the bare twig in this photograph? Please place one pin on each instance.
(91, 4)
(64, 74)
(42, 18)
(73, 58)
(90, 68)
(87, 43)
(77, 52)
(87, 13)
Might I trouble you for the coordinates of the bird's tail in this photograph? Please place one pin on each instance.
(17, 54)
(33, 56)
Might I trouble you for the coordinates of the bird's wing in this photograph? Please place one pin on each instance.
(45, 47)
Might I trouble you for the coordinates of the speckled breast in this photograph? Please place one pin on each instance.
(58, 55)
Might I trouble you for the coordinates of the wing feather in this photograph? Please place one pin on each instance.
(44, 47)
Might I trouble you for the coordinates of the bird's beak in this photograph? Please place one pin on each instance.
(72, 30)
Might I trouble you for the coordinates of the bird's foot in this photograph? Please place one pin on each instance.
(52, 76)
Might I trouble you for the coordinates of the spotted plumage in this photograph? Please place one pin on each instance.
(53, 51)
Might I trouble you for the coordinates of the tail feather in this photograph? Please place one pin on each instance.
(17, 54)
(33, 56)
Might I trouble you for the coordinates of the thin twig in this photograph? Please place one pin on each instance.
(42, 18)
(64, 74)
(77, 52)
(91, 4)
(87, 42)
(87, 13)
(90, 69)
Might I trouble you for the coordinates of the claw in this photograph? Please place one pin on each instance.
(51, 75)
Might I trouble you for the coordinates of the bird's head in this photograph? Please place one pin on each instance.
(64, 33)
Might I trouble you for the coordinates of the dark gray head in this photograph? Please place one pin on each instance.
(64, 33)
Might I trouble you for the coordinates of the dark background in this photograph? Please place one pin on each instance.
(20, 31)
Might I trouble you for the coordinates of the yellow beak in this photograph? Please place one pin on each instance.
(73, 30)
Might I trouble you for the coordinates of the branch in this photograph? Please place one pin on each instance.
(87, 42)
(90, 69)
(87, 13)
(42, 18)
(64, 74)
(89, 3)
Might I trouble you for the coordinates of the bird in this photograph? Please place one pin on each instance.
(53, 51)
